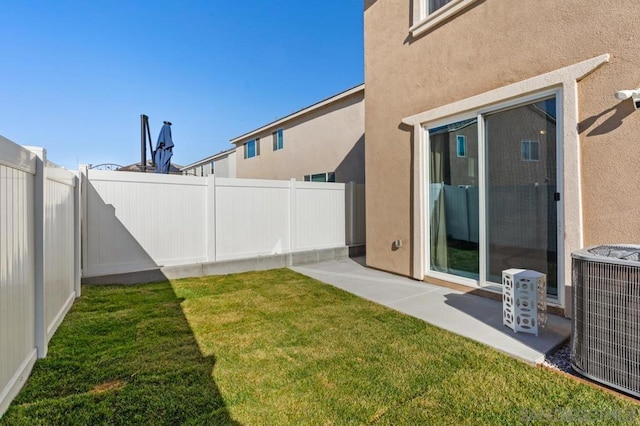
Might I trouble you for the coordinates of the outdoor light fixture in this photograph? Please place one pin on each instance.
(622, 95)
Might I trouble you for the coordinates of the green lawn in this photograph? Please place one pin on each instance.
(278, 348)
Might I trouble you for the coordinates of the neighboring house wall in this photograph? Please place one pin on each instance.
(223, 165)
(487, 46)
(226, 166)
(324, 139)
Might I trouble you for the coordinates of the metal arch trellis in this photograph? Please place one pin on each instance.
(106, 166)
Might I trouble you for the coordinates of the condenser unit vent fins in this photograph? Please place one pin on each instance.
(605, 343)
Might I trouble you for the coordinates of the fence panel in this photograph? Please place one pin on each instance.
(512, 206)
(251, 217)
(59, 251)
(17, 274)
(320, 215)
(456, 212)
(138, 221)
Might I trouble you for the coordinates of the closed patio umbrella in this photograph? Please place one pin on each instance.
(164, 147)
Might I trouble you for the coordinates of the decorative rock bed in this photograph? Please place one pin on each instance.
(560, 359)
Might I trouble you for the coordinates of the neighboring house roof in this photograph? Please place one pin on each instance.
(209, 159)
(303, 111)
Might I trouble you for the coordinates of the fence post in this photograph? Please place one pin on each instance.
(39, 186)
(77, 235)
(293, 211)
(350, 201)
(84, 231)
(211, 218)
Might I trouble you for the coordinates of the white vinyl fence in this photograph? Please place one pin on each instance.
(136, 221)
(524, 202)
(39, 258)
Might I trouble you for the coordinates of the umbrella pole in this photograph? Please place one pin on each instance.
(143, 143)
(153, 157)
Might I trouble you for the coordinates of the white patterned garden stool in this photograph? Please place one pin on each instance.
(524, 296)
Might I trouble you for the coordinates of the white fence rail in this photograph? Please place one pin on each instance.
(524, 202)
(61, 244)
(132, 222)
(136, 221)
(319, 214)
(39, 259)
(251, 218)
(140, 221)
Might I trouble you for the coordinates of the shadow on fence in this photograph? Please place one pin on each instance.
(110, 243)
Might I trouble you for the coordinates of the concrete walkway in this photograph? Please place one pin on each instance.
(468, 315)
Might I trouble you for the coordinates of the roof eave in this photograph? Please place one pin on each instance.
(299, 113)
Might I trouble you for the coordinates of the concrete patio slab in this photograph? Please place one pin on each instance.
(475, 317)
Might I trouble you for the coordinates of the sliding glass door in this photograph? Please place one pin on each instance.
(521, 189)
(493, 194)
(453, 199)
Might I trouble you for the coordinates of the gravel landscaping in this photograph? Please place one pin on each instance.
(560, 359)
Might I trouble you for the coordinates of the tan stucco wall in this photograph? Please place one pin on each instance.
(490, 45)
(327, 139)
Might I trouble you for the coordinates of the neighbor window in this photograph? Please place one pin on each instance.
(211, 168)
(321, 177)
(278, 139)
(530, 150)
(252, 148)
(461, 145)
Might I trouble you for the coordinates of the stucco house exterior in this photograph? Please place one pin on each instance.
(323, 143)
(222, 164)
(494, 140)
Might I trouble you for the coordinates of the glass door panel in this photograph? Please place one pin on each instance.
(453, 199)
(521, 211)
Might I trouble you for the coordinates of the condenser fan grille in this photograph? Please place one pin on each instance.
(606, 316)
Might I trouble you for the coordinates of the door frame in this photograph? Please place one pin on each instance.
(483, 244)
(565, 82)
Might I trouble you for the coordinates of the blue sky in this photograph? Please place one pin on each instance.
(76, 75)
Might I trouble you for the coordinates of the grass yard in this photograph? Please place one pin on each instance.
(279, 348)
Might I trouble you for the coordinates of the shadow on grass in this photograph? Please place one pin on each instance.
(123, 355)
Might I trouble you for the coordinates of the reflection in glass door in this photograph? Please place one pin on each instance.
(512, 197)
(521, 187)
(453, 199)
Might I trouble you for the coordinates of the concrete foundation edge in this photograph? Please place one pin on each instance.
(357, 250)
(260, 263)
